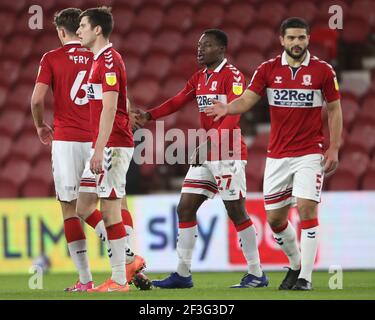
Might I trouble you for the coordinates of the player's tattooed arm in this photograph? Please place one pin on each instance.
(44, 131)
(240, 105)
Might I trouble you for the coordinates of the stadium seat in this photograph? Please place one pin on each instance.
(368, 181)
(18, 47)
(172, 86)
(260, 37)
(132, 64)
(7, 24)
(116, 39)
(304, 9)
(260, 143)
(364, 9)
(148, 18)
(342, 181)
(35, 189)
(27, 147)
(13, 175)
(11, 122)
(349, 111)
(167, 41)
(12, 7)
(361, 138)
(240, 14)
(271, 13)
(354, 162)
(8, 189)
(366, 114)
(5, 143)
(156, 66)
(126, 18)
(137, 43)
(144, 92)
(184, 65)
(9, 71)
(39, 180)
(248, 60)
(209, 16)
(44, 44)
(3, 96)
(19, 97)
(320, 50)
(235, 35)
(356, 31)
(256, 163)
(29, 71)
(179, 17)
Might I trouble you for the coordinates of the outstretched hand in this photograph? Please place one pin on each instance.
(217, 110)
(138, 118)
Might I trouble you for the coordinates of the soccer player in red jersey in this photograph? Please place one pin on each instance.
(66, 70)
(296, 84)
(112, 148)
(224, 174)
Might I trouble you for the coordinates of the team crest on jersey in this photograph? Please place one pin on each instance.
(278, 79)
(213, 86)
(237, 88)
(110, 78)
(306, 80)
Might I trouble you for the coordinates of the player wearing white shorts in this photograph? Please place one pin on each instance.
(296, 85)
(220, 172)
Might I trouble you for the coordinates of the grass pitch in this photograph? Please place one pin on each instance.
(207, 286)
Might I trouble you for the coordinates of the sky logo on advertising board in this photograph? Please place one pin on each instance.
(269, 250)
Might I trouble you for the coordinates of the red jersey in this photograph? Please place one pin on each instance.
(108, 74)
(66, 70)
(225, 84)
(295, 97)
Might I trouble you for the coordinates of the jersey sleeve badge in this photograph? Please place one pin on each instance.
(237, 88)
(336, 84)
(110, 78)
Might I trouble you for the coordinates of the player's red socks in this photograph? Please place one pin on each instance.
(126, 218)
(77, 247)
(95, 220)
(187, 237)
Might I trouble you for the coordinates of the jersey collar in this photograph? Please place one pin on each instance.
(219, 67)
(109, 45)
(72, 42)
(305, 62)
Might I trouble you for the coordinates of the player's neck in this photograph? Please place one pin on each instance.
(295, 62)
(98, 45)
(70, 39)
(213, 66)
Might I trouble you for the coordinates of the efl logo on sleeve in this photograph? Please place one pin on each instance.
(110, 78)
(237, 88)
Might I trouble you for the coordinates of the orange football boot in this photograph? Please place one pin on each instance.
(110, 286)
(134, 267)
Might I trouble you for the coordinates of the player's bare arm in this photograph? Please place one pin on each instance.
(44, 131)
(240, 105)
(107, 118)
(335, 130)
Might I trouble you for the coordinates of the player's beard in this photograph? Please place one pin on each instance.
(296, 56)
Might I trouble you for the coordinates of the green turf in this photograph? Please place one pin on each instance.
(356, 285)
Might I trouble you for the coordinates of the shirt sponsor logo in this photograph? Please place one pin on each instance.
(294, 97)
(237, 88)
(110, 78)
(204, 101)
(94, 91)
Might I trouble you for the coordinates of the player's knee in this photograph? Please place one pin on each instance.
(185, 213)
(307, 210)
(275, 222)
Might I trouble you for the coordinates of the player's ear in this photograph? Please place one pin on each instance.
(281, 40)
(98, 30)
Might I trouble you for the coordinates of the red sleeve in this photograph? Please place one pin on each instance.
(45, 71)
(234, 86)
(330, 85)
(177, 102)
(258, 82)
(110, 77)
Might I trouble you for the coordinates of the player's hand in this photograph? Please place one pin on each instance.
(331, 161)
(141, 118)
(217, 110)
(96, 162)
(45, 133)
(132, 118)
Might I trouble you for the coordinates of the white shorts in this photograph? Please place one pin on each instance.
(288, 178)
(111, 183)
(68, 163)
(225, 176)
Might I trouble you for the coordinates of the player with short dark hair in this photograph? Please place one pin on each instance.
(297, 84)
(222, 173)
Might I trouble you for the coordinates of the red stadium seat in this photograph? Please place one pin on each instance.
(7, 23)
(39, 180)
(8, 189)
(12, 7)
(172, 86)
(354, 162)
(342, 181)
(116, 40)
(361, 138)
(19, 97)
(148, 18)
(271, 13)
(209, 16)
(349, 111)
(320, 51)
(137, 43)
(366, 114)
(368, 181)
(132, 64)
(260, 143)
(356, 31)
(15, 171)
(179, 17)
(3, 96)
(18, 47)
(235, 36)
(123, 18)
(144, 92)
(26, 147)
(184, 65)
(260, 37)
(29, 71)
(9, 71)
(248, 61)
(44, 44)
(240, 14)
(35, 189)
(364, 9)
(256, 163)
(167, 41)
(5, 143)
(156, 66)
(11, 122)
(304, 9)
